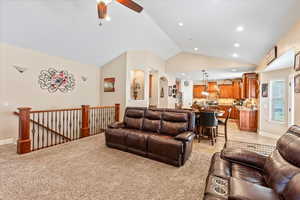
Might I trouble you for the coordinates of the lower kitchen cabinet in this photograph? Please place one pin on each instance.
(248, 120)
(234, 111)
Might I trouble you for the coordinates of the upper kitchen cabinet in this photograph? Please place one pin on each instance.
(250, 86)
(197, 91)
(237, 89)
(212, 87)
(226, 91)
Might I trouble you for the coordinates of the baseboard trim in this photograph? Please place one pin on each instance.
(270, 135)
(7, 141)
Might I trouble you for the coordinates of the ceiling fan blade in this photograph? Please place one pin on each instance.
(132, 5)
(102, 10)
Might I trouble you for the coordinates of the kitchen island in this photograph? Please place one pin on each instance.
(247, 119)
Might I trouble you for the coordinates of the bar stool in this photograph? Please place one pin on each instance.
(208, 122)
(224, 123)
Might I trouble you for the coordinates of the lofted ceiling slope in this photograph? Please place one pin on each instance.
(210, 25)
(69, 28)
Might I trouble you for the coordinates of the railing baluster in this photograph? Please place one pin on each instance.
(43, 115)
(33, 131)
(51, 121)
(47, 129)
(38, 133)
(56, 128)
(63, 126)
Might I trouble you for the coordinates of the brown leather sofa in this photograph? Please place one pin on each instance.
(237, 174)
(162, 134)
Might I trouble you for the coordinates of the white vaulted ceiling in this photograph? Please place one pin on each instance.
(69, 28)
(210, 25)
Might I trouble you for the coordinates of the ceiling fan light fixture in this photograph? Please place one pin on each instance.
(107, 18)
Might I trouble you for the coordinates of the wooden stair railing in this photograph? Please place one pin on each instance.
(45, 127)
(52, 127)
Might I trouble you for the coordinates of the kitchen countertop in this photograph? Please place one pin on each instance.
(245, 108)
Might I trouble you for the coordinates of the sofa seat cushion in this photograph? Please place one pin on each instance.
(248, 174)
(165, 147)
(240, 189)
(137, 139)
(220, 167)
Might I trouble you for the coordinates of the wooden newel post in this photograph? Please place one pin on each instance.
(85, 114)
(24, 141)
(117, 112)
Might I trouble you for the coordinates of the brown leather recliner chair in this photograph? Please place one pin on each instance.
(238, 174)
(161, 134)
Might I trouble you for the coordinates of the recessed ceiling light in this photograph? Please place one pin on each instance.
(196, 49)
(236, 45)
(239, 28)
(235, 55)
(234, 70)
(180, 24)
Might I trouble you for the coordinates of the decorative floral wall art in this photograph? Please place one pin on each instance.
(54, 80)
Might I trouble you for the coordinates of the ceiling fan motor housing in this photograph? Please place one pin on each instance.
(102, 10)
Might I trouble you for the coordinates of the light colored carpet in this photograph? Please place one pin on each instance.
(88, 170)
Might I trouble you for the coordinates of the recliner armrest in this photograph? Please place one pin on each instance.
(116, 125)
(244, 157)
(185, 137)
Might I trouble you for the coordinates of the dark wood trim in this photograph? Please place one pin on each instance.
(117, 112)
(85, 129)
(24, 141)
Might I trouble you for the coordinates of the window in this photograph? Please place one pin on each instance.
(277, 101)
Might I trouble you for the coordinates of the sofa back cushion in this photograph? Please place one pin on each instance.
(134, 118)
(152, 121)
(174, 123)
(284, 162)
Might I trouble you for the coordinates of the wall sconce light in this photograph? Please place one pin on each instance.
(84, 78)
(20, 69)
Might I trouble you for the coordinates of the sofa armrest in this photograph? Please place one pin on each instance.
(185, 136)
(244, 157)
(116, 125)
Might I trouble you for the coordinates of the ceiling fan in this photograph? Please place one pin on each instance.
(102, 7)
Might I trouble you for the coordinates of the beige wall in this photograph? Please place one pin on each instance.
(146, 61)
(267, 127)
(290, 41)
(121, 68)
(114, 69)
(187, 62)
(18, 90)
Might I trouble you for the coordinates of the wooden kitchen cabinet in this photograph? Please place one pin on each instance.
(248, 120)
(235, 113)
(250, 86)
(237, 90)
(197, 91)
(226, 91)
(212, 87)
